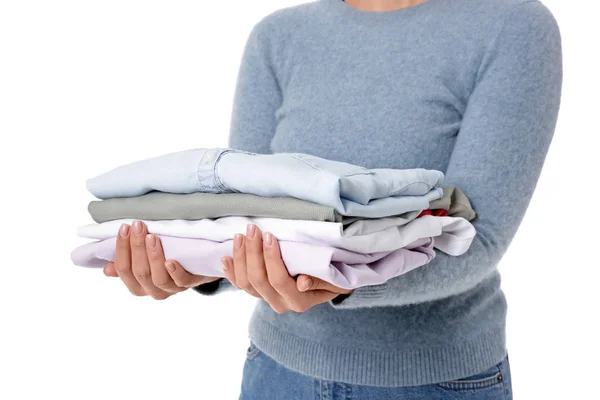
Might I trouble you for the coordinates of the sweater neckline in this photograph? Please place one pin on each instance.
(346, 10)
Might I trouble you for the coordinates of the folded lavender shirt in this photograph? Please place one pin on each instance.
(451, 235)
(342, 268)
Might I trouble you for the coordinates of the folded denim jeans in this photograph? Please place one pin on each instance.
(342, 268)
(451, 235)
(351, 190)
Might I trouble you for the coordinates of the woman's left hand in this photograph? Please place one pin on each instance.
(257, 268)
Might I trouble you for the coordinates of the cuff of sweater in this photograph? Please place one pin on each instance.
(366, 296)
(214, 287)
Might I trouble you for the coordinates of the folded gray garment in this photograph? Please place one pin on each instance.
(455, 202)
(156, 206)
(167, 206)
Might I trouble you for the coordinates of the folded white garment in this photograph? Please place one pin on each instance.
(342, 268)
(451, 235)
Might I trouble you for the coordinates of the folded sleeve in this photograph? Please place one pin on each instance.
(498, 156)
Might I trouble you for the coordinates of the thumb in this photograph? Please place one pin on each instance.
(305, 283)
(109, 270)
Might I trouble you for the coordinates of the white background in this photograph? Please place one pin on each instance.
(88, 85)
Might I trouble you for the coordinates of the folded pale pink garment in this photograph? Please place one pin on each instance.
(342, 268)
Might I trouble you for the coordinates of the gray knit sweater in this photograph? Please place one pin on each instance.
(468, 87)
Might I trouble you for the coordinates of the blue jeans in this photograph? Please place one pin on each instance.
(352, 190)
(265, 379)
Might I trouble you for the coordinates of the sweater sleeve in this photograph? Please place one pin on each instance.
(257, 98)
(258, 95)
(498, 155)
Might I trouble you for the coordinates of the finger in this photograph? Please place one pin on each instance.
(123, 262)
(140, 264)
(315, 297)
(228, 270)
(306, 283)
(279, 277)
(278, 274)
(239, 264)
(158, 272)
(183, 279)
(230, 273)
(109, 270)
(257, 272)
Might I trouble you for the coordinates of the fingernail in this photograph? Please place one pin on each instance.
(268, 239)
(170, 266)
(237, 241)
(137, 227)
(306, 284)
(151, 241)
(225, 264)
(250, 230)
(124, 231)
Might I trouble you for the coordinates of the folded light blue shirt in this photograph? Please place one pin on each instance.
(352, 190)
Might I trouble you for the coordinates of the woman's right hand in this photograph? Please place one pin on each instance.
(141, 265)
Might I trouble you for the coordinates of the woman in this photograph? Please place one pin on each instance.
(471, 88)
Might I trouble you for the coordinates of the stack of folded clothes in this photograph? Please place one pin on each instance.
(342, 223)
